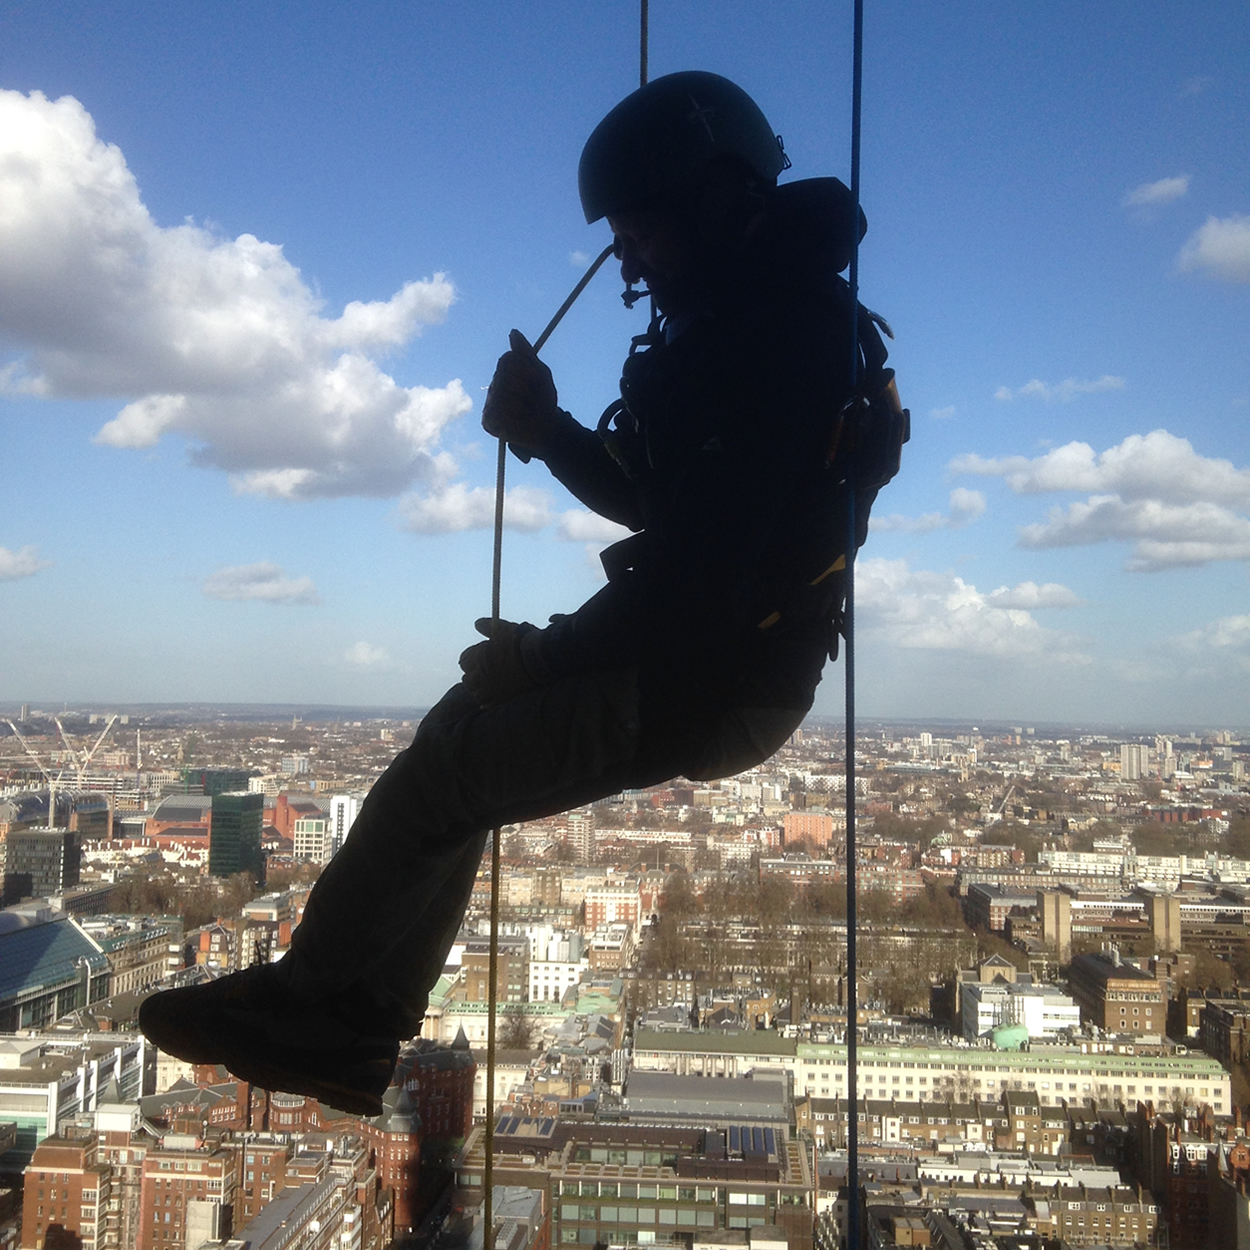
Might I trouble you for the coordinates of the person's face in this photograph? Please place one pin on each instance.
(654, 249)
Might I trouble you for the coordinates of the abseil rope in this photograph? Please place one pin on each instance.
(501, 462)
(852, 961)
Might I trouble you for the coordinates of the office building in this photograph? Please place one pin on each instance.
(40, 862)
(234, 837)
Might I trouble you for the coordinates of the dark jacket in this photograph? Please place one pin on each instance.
(719, 463)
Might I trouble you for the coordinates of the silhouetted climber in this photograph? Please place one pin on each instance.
(730, 456)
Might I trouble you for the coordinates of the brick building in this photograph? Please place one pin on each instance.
(513, 972)
(1117, 996)
(1225, 1030)
(65, 1196)
(186, 1192)
(612, 904)
(441, 1079)
(989, 905)
(814, 827)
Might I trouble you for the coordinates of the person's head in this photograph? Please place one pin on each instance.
(682, 170)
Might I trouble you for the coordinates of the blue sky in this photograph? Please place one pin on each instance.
(256, 264)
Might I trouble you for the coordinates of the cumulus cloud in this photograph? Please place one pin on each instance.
(455, 506)
(942, 414)
(365, 655)
(219, 340)
(1029, 595)
(24, 562)
(1227, 632)
(1162, 192)
(1223, 642)
(263, 581)
(579, 259)
(1153, 490)
(1165, 535)
(579, 526)
(965, 505)
(1157, 465)
(1219, 247)
(1064, 391)
(919, 609)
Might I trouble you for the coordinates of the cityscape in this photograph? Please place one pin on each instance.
(258, 264)
(1053, 996)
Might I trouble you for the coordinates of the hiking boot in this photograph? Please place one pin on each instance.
(252, 1024)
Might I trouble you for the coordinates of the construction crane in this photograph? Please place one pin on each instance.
(80, 762)
(48, 777)
(87, 756)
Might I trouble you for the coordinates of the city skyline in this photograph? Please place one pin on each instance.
(249, 304)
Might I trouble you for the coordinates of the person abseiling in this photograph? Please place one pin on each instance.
(730, 454)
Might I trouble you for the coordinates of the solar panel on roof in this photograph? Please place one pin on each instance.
(757, 1141)
(735, 1143)
(548, 1124)
(770, 1141)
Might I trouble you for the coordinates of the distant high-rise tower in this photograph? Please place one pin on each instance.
(234, 835)
(1134, 761)
(1056, 911)
(344, 808)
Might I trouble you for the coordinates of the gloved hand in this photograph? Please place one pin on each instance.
(507, 664)
(521, 403)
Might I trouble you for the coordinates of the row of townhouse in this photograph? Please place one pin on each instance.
(1016, 1122)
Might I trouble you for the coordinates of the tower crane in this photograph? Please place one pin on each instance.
(87, 756)
(48, 777)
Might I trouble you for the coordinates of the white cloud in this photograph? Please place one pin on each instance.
(1157, 465)
(365, 655)
(924, 610)
(1221, 247)
(1227, 632)
(1153, 490)
(579, 259)
(1221, 643)
(263, 581)
(24, 562)
(1064, 391)
(1164, 535)
(1162, 192)
(942, 414)
(1029, 595)
(219, 340)
(965, 505)
(455, 506)
(579, 526)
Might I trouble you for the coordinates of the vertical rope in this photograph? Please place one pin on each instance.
(643, 36)
(496, 579)
(852, 960)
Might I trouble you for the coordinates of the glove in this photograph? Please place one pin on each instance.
(507, 664)
(521, 403)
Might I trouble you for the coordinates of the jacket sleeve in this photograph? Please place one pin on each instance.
(578, 459)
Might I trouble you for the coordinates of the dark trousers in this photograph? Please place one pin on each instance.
(383, 915)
